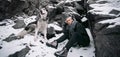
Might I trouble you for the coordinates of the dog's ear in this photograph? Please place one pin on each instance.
(40, 11)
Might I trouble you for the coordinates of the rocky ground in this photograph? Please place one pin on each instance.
(105, 23)
(103, 18)
(11, 46)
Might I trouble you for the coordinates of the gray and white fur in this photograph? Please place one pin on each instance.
(38, 26)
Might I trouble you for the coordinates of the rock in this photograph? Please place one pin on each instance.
(80, 8)
(41, 42)
(21, 53)
(3, 8)
(54, 1)
(16, 7)
(52, 12)
(69, 9)
(99, 26)
(60, 19)
(106, 39)
(0, 47)
(19, 24)
(11, 8)
(81, 56)
(102, 2)
(58, 32)
(109, 44)
(85, 49)
(50, 32)
(3, 24)
(71, 4)
(92, 1)
(113, 11)
(10, 38)
(34, 5)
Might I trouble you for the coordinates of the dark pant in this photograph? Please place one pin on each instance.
(75, 38)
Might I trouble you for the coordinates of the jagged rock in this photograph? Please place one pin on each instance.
(91, 1)
(58, 32)
(3, 8)
(81, 56)
(79, 6)
(69, 9)
(0, 47)
(10, 38)
(11, 8)
(54, 1)
(3, 24)
(102, 2)
(107, 43)
(60, 19)
(113, 11)
(21, 53)
(106, 39)
(99, 26)
(19, 24)
(50, 32)
(35, 4)
(52, 12)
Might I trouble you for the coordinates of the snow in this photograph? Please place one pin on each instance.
(39, 49)
(54, 25)
(105, 9)
(84, 19)
(116, 22)
(72, 0)
(29, 20)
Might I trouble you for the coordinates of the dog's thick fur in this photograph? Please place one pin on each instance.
(38, 26)
(42, 24)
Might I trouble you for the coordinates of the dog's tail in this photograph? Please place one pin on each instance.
(22, 33)
(29, 28)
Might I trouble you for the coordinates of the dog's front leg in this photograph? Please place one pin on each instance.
(36, 31)
(45, 35)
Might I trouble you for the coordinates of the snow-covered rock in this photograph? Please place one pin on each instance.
(104, 20)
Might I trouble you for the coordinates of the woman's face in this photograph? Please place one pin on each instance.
(69, 20)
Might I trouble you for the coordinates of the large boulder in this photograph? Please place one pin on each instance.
(19, 24)
(11, 38)
(21, 53)
(104, 25)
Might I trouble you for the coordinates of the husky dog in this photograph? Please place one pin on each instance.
(42, 24)
(38, 26)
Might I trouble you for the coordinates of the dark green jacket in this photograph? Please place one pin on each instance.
(76, 27)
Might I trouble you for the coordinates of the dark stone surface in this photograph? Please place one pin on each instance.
(10, 38)
(0, 47)
(54, 1)
(11, 8)
(50, 32)
(103, 2)
(19, 24)
(81, 56)
(106, 39)
(3, 8)
(21, 53)
(3, 24)
(113, 11)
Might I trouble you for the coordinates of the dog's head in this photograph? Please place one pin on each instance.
(43, 14)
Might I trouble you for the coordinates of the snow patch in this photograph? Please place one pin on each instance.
(116, 22)
(56, 27)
